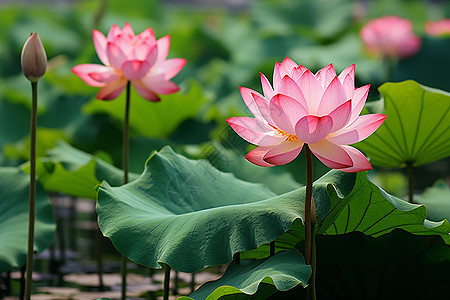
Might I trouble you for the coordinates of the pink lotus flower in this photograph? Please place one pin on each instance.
(321, 110)
(140, 59)
(390, 37)
(438, 28)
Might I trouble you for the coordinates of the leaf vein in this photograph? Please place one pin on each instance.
(389, 146)
(348, 217)
(405, 151)
(418, 122)
(365, 211)
(379, 220)
(433, 131)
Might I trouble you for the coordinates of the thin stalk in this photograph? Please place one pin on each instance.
(409, 166)
(22, 283)
(125, 149)
(32, 199)
(126, 139)
(123, 273)
(176, 281)
(192, 283)
(62, 247)
(98, 257)
(8, 283)
(166, 282)
(310, 292)
(312, 282)
(72, 220)
(308, 197)
(272, 248)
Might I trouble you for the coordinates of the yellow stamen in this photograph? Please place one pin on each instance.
(290, 138)
(279, 130)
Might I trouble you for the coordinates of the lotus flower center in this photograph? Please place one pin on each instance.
(291, 137)
(279, 130)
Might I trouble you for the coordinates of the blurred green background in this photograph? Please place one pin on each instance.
(226, 44)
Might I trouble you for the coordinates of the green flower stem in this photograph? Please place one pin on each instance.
(313, 263)
(192, 283)
(166, 282)
(310, 292)
(123, 273)
(32, 199)
(176, 281)
(409, 166)
(8, 283)
(22, 282)
(99, 258)
(125, 150)
(126, 139)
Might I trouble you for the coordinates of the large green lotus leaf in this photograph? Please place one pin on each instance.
(76, 173)
(372, 211)
(189, 215)
(77, 183)
(341, 183)
(366, 209)
(257, 279)
(154, 119)
(416, 129)
(14, 197)
(287, 241)
(278, 180)
(437, 201)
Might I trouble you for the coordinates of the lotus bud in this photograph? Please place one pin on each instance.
(34, 59)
